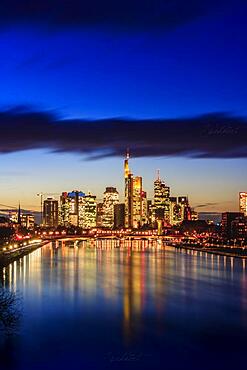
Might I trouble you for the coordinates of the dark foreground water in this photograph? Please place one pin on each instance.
(108, 308)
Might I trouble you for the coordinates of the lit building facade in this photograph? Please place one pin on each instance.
(72, 208)
(229, 221)
(50, 212)
(144, 208)
(111, 198)
(194, 215)
(179, 210)
(89, 214)
(137, 202)
(135, 199)
(99, 214)
(128, 194)
(161, 206)
(243, 202)
(26, 220)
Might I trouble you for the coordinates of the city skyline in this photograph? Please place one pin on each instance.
(200, 209)
(203, 203)
(123, 184)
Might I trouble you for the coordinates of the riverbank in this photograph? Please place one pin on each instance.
(227, 251)
(10, 256)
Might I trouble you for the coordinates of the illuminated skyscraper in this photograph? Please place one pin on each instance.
(161, 208)
(99, 214)
(89, 215)
(137, 201)
(72, 208)
(175, 211)
(179, 210)
(134, 198)
(144, 208)
(243, 202)
(50, 212)
(128, 178)
(111, 197)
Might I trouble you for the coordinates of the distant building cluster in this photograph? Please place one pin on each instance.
(25, 220)
(79, 209)
(234, 224)
(163, 210)
(166, 213)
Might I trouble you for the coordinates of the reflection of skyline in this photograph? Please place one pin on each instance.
(87, 270)
(123, 279)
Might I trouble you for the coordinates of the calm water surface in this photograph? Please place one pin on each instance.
(93, 306)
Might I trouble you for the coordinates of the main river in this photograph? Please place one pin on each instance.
(93, 306)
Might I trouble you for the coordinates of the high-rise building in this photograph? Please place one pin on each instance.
(89, 215)
(119, 215)
(99, 214)
(161, 206)
(72, 208)
(134, 198)
(149, 210)
(175, 211)
(243, 202)
(128, 178)
(111, 197)
(227, 222)
(144, 219)
(186, 210)
(239, 228)
(137, 202)
(50, 212)
(179, 210)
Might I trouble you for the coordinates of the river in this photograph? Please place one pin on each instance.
(90, 305)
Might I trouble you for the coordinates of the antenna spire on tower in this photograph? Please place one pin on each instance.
(158, 174)
(127, 153)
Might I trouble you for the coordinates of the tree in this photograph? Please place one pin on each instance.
(10, 311)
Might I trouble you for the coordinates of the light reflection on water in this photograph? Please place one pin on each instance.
(97, 303)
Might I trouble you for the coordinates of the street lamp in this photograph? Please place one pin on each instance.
(41, 207)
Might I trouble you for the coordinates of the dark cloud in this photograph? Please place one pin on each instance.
(207, 136)
(206, 205)
(110, 13)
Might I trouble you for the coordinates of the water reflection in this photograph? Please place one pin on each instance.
(139, 292)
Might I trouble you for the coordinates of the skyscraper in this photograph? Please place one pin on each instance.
(50, 212)
(119, 215)
(227, 220)
(99, 214)
(72, 208)
(243, 202)
(89, 212)
(161, 207)
(179, 210)
(144, 208)
(134, 197)
(137, 202)
(111, 197)
(128, 178)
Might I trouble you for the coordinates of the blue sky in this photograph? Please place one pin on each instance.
(89, 72)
